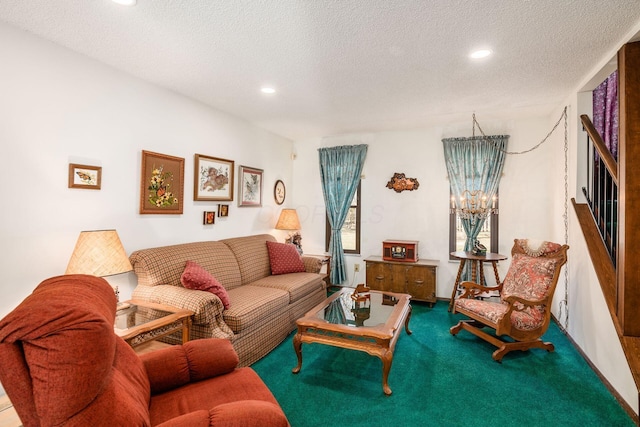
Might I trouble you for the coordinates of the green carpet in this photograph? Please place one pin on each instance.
(440, 380)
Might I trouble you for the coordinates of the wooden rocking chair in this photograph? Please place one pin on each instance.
(524, 310)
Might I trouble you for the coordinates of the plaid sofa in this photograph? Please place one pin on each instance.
(263, 307)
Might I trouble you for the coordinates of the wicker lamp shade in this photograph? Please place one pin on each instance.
(288, 220)
(99, 253)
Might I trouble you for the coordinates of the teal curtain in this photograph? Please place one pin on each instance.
(340, 170)
(474, 164)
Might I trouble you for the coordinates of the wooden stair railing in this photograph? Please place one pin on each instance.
(602, 187)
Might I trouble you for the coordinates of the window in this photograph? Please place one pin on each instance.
(351, 227)
(488, 235)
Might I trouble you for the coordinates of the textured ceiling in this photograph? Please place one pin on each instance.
(345, 65)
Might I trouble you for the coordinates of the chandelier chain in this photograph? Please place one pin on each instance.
(563, 115)
(565, 301)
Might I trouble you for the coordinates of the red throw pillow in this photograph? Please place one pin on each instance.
(196, 277)
(284, 258)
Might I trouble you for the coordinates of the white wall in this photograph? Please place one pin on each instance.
(526, 210)
(58, 107)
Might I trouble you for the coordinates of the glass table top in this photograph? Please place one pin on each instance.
(130, 315)
(369, 309)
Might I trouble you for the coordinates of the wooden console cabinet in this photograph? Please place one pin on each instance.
(417, 279)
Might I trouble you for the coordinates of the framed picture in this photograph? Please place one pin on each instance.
(161, 184)
(213, 178)
(209, 218)
(223, 210)
(85, 176)
(250, 187)
(279, 192)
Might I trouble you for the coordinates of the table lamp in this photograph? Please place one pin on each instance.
(99, 253)
(289, 221)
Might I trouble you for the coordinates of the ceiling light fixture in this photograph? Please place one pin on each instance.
(482, 53)
(268, 90)
(125, 2)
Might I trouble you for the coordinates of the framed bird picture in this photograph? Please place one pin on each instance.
(250, 187)
(85, 176)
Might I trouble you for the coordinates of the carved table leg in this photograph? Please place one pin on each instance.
(387, 358)
(297, 346)
(456, 284)
(474, 271)
(495, 271)
(406, 322)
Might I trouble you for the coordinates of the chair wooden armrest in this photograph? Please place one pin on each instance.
(511, 299)
(472, 289)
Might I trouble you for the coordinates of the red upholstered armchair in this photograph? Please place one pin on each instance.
(523, 312)
(62, 364)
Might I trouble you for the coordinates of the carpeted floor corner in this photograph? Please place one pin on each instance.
(440, 380)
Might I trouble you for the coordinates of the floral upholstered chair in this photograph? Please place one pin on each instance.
(523, 312)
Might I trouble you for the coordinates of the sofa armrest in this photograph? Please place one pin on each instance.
(197, 360)
(206, 306)
(312, 264)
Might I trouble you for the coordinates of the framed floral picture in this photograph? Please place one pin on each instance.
(84, 176)
(213, 178)
(209, 218)
(161, 184)
(250, 187)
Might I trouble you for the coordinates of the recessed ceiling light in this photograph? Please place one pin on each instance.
(125, 2)
(482, 53)
(268, 90)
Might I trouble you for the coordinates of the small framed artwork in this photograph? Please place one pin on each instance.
(213, 178)
(223, 210)
(279, 192)
(85, 176)
(161, 184)
(209, 218)
(250, 187)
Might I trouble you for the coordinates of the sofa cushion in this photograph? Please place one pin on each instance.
(196, 277)
(251, 255)
(251, 304)
(284, 258)
(298, 285)
(164, 265)
(529, 278)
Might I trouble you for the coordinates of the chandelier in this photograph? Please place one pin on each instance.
(473, 205)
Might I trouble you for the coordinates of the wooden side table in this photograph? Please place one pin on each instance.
(477, 265)
(325, 261)
(138, 322)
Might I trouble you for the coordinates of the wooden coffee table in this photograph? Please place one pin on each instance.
(372, 324)
(138, 322)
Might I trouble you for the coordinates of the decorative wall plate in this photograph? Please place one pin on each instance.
(279, 192)
(399, 183)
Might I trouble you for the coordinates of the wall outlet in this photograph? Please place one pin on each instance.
(356, 267)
